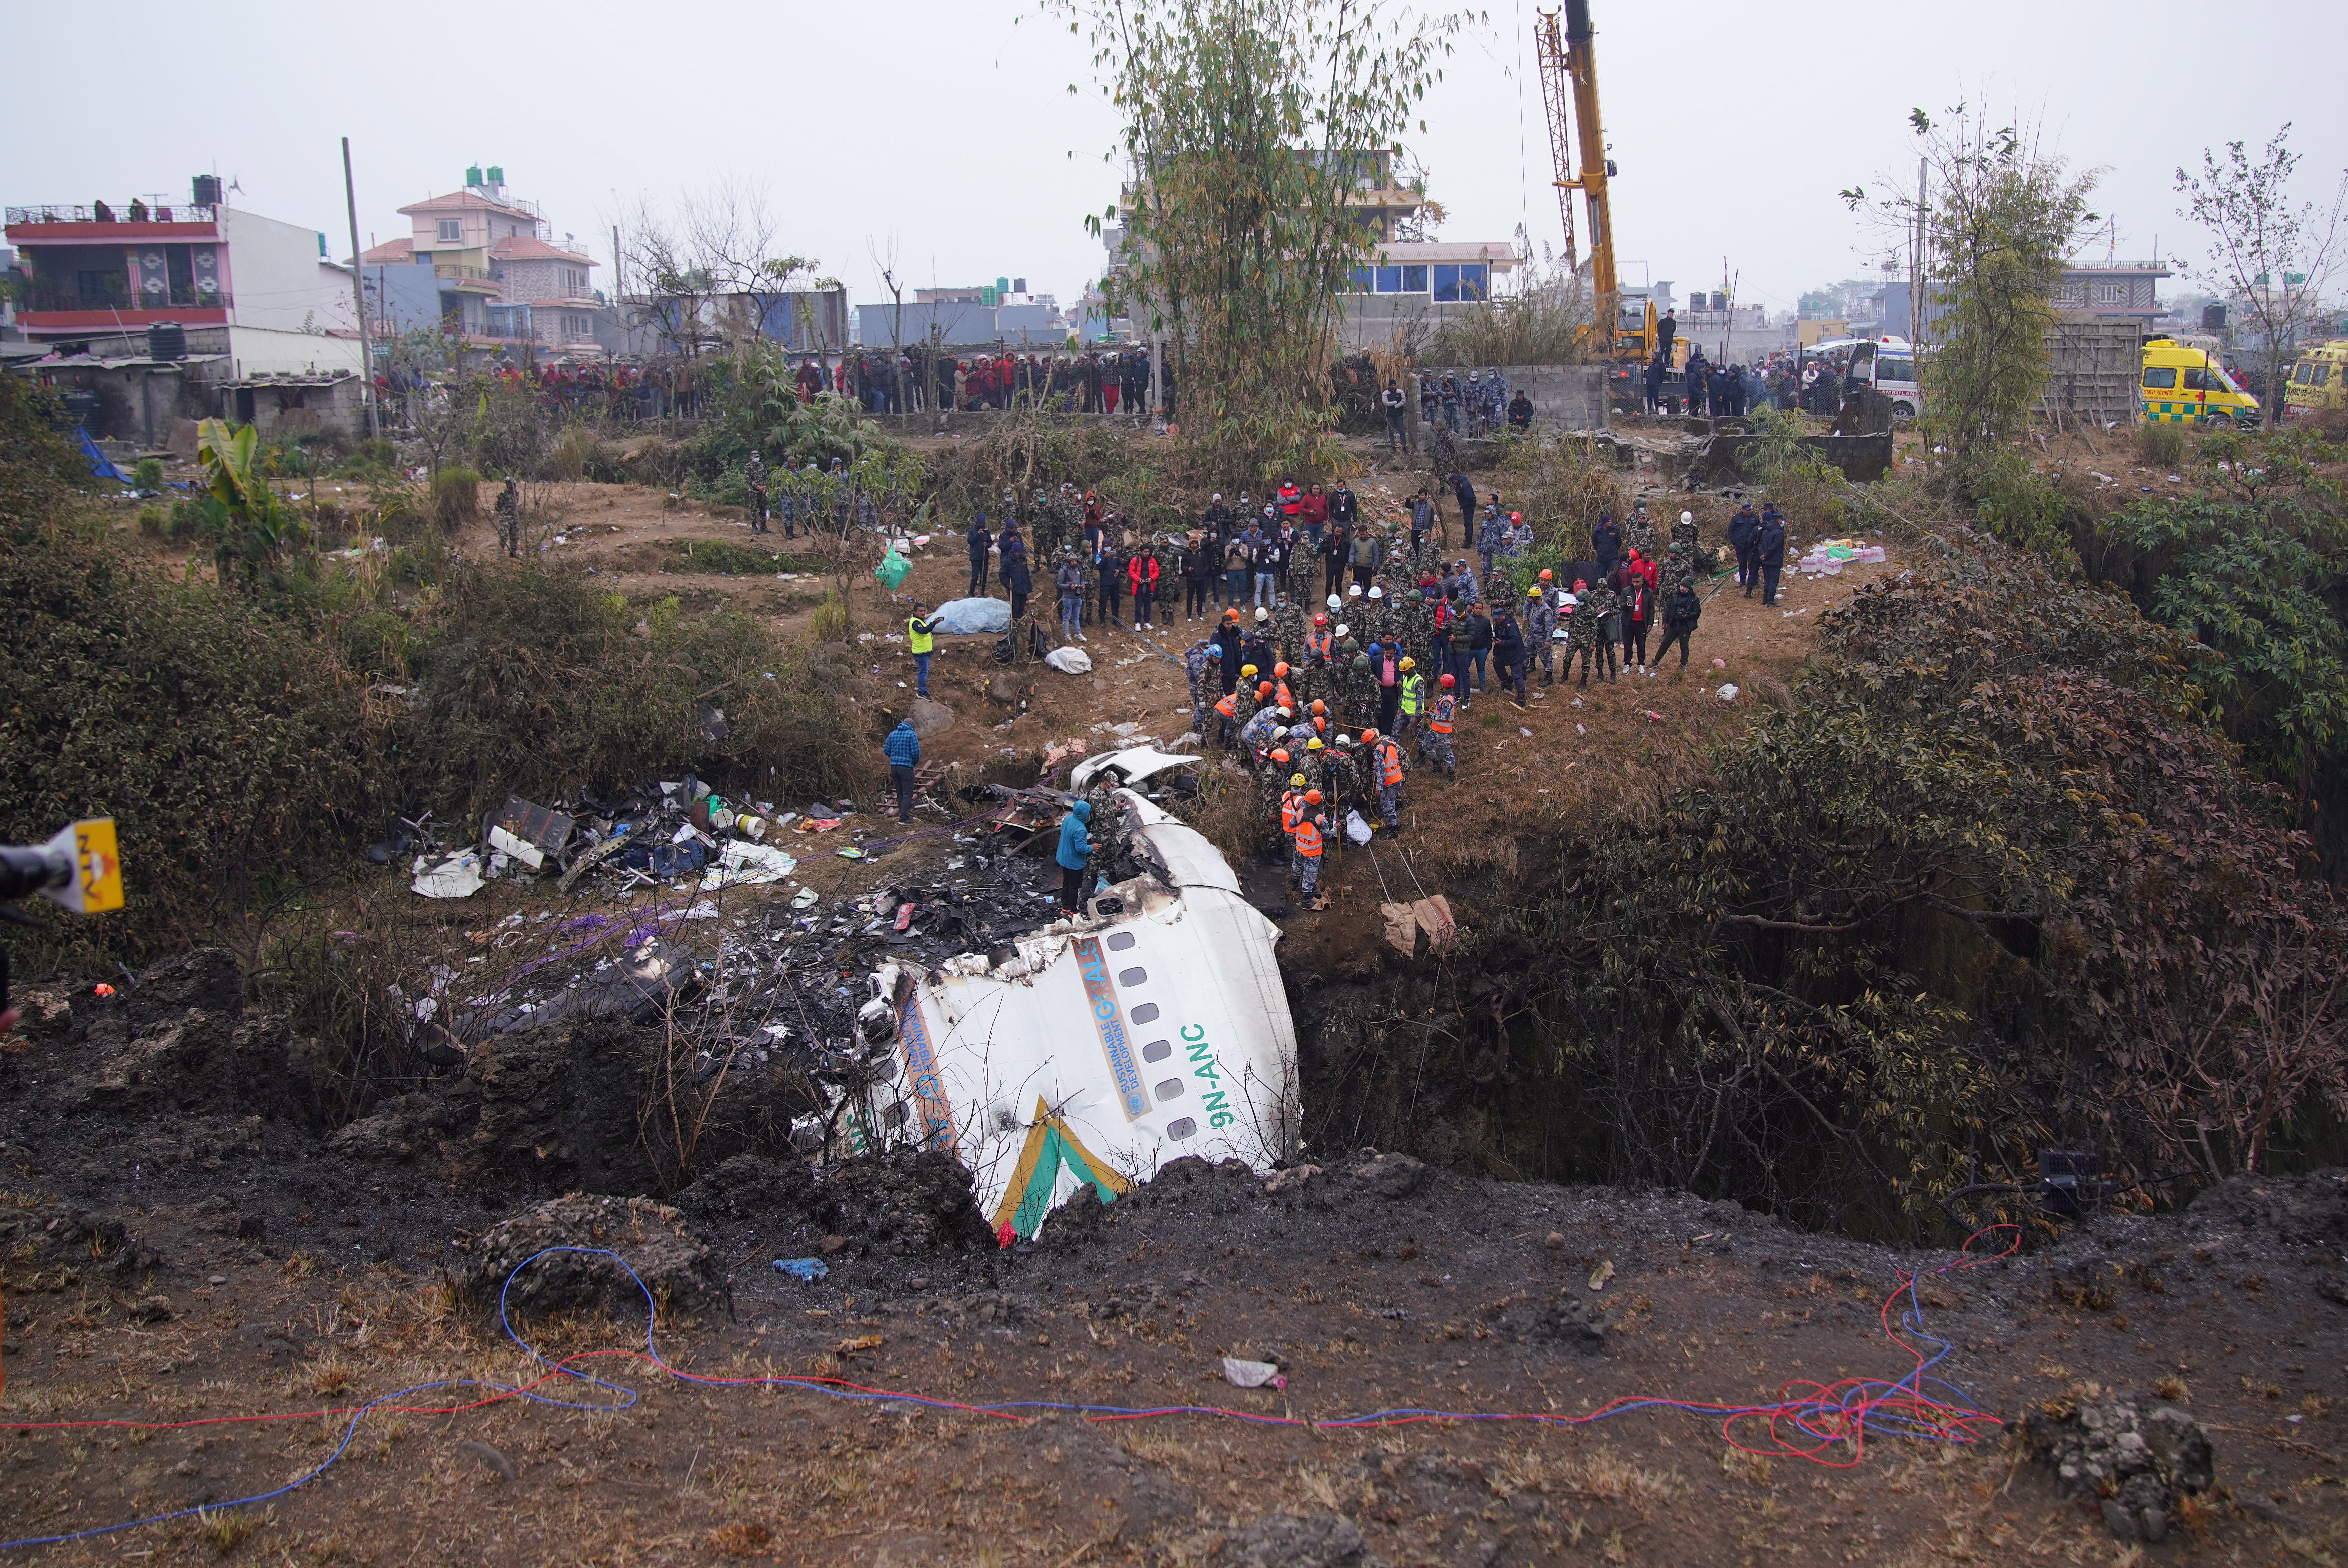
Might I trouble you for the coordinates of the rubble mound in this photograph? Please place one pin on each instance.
(50, 1247)
(672, 1262)
(901, 1204)
(1288, 1541)
(2309, 1210)
(2136, 1460)
(751, 1187)
(399, 1129)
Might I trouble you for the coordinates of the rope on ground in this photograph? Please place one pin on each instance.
(1825, 1423)
(1150, 640)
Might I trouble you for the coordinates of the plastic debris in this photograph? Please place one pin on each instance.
(1070, 661)
(1726, 693)
(804, 899)
(807, 1269)
(1252, 1374)
(741, 864)
(456, 876)
(1355, 828)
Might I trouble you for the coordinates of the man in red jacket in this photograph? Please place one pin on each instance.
(1141, 576)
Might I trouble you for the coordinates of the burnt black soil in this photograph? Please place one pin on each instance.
(179, 1242)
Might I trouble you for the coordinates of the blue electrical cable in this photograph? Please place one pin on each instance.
(1832, 1415)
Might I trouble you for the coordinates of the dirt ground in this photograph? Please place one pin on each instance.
(233, 1304)
(225, 1367)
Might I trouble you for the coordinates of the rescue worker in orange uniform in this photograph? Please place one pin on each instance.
(1435, 740)
(1307, 838)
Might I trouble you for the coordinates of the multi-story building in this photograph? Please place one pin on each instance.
(1412, 282)
(2112, 290)
(500, 280)
(100, 271)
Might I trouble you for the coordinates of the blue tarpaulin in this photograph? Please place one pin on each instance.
(973, 618)
(101, 464)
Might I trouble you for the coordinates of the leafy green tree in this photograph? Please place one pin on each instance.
(2254, 564)
(1253, 128)
(1994, 225)
(2272, 255)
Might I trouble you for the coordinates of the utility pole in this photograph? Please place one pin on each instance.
(358, 300)
(1916, 274)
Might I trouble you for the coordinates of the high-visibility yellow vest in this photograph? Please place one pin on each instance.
(921, 640)
(1414, 694)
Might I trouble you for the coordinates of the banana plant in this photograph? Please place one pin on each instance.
(244, 519)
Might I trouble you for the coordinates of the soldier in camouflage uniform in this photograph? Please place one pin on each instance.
(1361, 691)
(1541, 621)
(1581, 632)
(1679, 566)
(1684, 532)
(508, 514)
(1639, 532)
(1197, 662)
(1341, 771)
(1596, 618)
(1279, 772)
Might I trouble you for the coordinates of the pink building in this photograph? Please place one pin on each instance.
(500, 280)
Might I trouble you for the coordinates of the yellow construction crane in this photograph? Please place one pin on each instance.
(1570, 72)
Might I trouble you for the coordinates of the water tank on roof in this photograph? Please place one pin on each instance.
(1719, 300)
(2213, 318)
(473, 174)
(207, 189)
(497, 174)
(167, 340)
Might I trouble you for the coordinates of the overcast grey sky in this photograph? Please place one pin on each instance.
(945, 129)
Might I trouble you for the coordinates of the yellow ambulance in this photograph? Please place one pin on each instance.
(2187, 385)
(2319, 382)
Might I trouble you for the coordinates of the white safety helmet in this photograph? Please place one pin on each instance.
(1687, 517)
(1344, 632)
(1262, 614)
(1336, 602)
(1376, 591)
(1353, 591)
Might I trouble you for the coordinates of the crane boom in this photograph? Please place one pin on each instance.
(1582, 67)
(1570, 69)
(1557, 97)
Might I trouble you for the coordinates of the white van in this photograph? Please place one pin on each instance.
(1887, 364)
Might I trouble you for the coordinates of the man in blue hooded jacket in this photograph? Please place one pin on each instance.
(1075, 846)
(903, 749)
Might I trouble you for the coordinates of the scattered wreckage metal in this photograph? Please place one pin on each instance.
(964, 1013)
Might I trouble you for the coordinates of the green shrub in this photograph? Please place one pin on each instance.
(2022, 506)
(723, 557)
(2159, 446)
(376, 460)
(538, 684)
(147, 475)
(151, 521)
(455, 498)
(229, 752)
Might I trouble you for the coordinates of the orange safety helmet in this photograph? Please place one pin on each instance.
(1264, 691)
(1279, 670)
(1545, 571)
(1369, 736)
(1313, 797)
(1319, 707)
(1279, 754)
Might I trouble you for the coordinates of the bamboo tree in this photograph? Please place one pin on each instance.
(1251, 128)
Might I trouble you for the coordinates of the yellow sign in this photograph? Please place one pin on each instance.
(97, 867)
